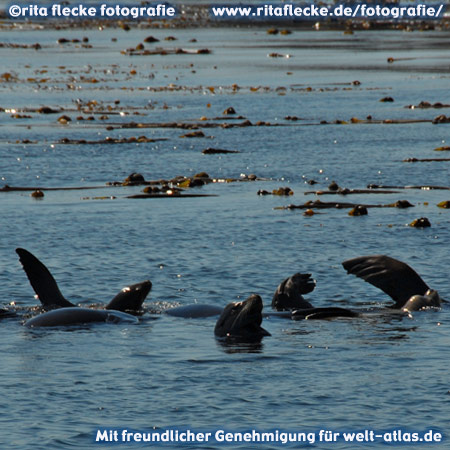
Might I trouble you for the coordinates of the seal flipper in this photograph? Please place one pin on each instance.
(288, 295)
(42, 281)
(393, 277)
(130, 298)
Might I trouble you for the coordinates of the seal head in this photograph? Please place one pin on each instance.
(242, 320)
(131, 298)
(430, 300)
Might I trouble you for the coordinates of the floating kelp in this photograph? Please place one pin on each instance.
(199, 179)
(280, 191)
(441, 119)
(169, 194)
(192, 182)
(215, 151)
(72, 41)
(64, 120)
(194, 134)
(224, 118)
(279, 55)
(165, 51)
(422, 222)
(423, 187)
(442, 149)
(229, 110)
(317, 204)
(150, 39)
(21, 116)
(346, 191)
(8, 188)
(110, 140)
(445, 204)
(37, 194)
(371, 121)
(36, 46)
(165, 191)
(191, 125)
(48, 110)
(102, 197)
(428, 105)
(134, 179)
(358, 211)
(275, 31)
(426, 159)
(333, 186)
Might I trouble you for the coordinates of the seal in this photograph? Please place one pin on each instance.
(287, 300)
(288, 295)
(431, 299)
(76, 316)
(242, 320)
(130, 298)
(398, 280)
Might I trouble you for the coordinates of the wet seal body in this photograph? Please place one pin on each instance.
(130, 298)
(322, 313)
(77, 316)
(398, 280)
(196, 310)
(242, 320)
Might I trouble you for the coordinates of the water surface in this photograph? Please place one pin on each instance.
(380, 372)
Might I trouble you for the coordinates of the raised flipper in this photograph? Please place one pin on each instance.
(42, 281)
(130, 298)
(393, 277)
(322, 313)
(288, 295)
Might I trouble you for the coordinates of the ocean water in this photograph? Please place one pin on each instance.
(379, 372)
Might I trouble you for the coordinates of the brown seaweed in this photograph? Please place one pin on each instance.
(317, 204)
(346, 191)
(215, 151)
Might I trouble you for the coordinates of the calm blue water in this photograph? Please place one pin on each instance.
(382, 373)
